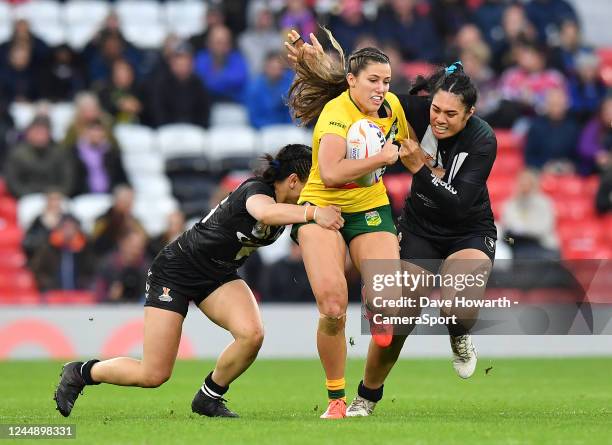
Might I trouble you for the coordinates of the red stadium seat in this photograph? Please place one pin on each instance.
(8, 209)
(580, 229)
(3, 189)
(11, 236)
(605, 70)
(398, 186)
(590, 186)
(507, 141)
(576, 208)
(69, 297)
(23, 297)
(12, 259)
(562, 186)
(509, 163)
(16, 281)
(413, 69)
(501, 187)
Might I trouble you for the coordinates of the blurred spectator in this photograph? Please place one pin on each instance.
(266, 93)
(475, 61)
(547, 16)
(65, 260)
(22, 35)
(525, 86)
(414, 33)
(516, 30)
(97, 164)
(261, 38)
(449, 16)
(38, 164)
(214, 17)
(587, 90)
(116, 222)
(297, 15)
(123, 274)
(38, 232)
(63, 78)
(176, 226)
(7, 131)
(222, 68)
(488, 17)
(88, 110)
(552, 137)
(529, 218)
(468, 36)
(400, 82)
(570, 46)
(603, 198)
(19, 78)
(350, 24)
(120, 95)
(286, 281)
(595, 147)
(179, 95)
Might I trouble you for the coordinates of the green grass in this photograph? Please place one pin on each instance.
(518, 402)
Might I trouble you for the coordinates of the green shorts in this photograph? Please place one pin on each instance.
(379, 219)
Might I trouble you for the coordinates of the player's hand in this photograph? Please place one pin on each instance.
(411, 155)
(297, 48)
(329, 217)
(389, 153)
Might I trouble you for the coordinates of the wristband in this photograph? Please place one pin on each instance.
(314, 216)
(305, 214)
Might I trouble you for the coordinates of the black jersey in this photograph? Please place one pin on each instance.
(222, 241)
(458, 203)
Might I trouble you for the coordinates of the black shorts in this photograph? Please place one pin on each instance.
(172, 282)
(429, 252)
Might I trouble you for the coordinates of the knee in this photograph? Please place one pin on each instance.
(333, 302)
(155, 379)
(330, 325)
(252, 338)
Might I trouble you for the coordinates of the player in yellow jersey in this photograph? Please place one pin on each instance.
(336, 98)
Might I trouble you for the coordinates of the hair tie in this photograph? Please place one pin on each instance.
(453, 67)
(275, 165)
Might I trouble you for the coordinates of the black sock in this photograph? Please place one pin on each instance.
(373, 395)
(211, 389)
(86, 371)
(457, 329)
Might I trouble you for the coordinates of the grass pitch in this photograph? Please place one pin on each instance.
(519, 401)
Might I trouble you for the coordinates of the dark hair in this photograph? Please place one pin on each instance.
(452, 79)
(292, 158)
(320, 80)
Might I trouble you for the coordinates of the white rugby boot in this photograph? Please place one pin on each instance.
(360, 407)
(464, 355)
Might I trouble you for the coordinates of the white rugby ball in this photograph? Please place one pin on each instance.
(363, 140)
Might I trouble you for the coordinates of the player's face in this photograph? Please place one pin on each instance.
(447, 114)
(369, 87)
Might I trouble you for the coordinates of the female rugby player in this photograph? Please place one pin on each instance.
(336, 98)
(448, 215)
(200, 266)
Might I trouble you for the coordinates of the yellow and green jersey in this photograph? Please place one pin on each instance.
(336, 118)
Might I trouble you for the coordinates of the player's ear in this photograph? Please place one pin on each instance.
(351, 80)
(293, 180)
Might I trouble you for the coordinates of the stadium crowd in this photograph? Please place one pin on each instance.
(540, 85)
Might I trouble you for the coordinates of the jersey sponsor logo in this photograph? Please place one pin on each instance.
(439, 183)
(337, 124)
(147, 287)
(165, 296)
(490, 243)
(373, 218)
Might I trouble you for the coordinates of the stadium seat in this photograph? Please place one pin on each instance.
(507, 141)
(78, 35)
(562, 186)
(398, 187)
(413, 69)
(185, 18)
(86, 12)
(501, 188)
(153, 212)
(22, 113)
(11, 236)
(3, 189)
(53, 34)
(135, 138)
(232, 149)
(89, 207)
(273, 137)
(605, 70)
(61, 115)
(176, 140)
(144, 12)
(508, 163)
(143, 164)
(29, 207)
(575, 208)
(18, 280)
(12, 258)
(152, 186)
(228, 115)
(39, 13)
(8, 297)
(8, 210)
(145, 35)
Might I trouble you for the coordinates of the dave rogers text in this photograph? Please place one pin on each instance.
(404, 278)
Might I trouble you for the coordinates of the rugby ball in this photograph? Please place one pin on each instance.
(365, 139)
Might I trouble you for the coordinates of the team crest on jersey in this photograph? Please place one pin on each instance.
(165, 296)
(373, 218)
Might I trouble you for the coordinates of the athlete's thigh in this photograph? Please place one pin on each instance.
(374, 246)
(233, 307)
(471, 269)
(162, 335)
(324, 255)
